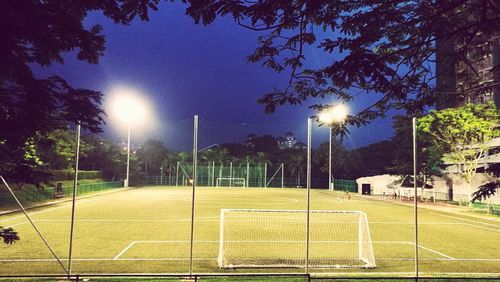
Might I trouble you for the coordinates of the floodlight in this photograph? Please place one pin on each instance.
(326, 117)
(127, 105)
(329, 116)
(339, 112)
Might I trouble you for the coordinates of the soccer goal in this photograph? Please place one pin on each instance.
(230, 182)
(277, 238)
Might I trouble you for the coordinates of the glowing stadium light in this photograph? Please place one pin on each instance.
(329, 116)
(129, 107)
(326, 117)
(337, 113)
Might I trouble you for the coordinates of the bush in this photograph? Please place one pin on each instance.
(67, 174)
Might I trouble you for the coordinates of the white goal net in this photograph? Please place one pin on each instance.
(277, 238)
(230, 182)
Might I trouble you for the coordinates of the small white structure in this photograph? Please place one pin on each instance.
(448, 187)
(376, 185)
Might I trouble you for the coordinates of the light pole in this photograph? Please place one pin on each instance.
(129, 107)
(329, 116)
(125, 184)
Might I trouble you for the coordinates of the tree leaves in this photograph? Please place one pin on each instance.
(460, 135)
(384, 47)
(8, 235)
(39, 32)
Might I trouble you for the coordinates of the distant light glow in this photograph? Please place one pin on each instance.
(337, 113)
(127, 105)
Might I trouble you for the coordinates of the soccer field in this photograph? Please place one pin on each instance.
(147, 230)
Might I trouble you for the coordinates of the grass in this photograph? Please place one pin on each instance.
(158, 220)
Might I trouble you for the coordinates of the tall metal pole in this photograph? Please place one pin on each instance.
(265, 175)
(230, 174)
(75, 183)
(177, 174)
(161, 175)
(213, 173)
(330, 184)
(414, 127)
(282, 175)
(248, 174)
(195, 163)
(128, 156)
(309, 129)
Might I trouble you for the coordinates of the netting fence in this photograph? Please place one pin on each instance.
(281, 217)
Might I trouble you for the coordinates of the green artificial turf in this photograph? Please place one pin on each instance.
(147, 230)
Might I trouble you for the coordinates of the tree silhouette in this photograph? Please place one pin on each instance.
(297, 166)
(8, 235)
(383, 47)
(39, 33)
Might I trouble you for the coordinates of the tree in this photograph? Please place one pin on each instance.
(101, 154)
(151, 154)
(39, 33)
(8, 235)
(297, 166)
(375, 158)
(383, 47)
(429, 160)
(342, 166)
(460, 134)
(57, 148)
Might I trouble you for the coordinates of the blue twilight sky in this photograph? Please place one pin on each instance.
(184, 69)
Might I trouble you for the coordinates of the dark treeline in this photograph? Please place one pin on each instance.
(55, 151)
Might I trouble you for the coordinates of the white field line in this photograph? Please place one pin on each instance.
(443, 259)
(482, 227)
(213, 219)
(273, 241)
(268, 241)
(106, 259)
(17, 224)
(240, 241)
(432, 251)
(124, 250)
(128, 220)
(215, 259)
(465, 219)
(216, 219)
(47, 210)
(209, 219)
(409, 274)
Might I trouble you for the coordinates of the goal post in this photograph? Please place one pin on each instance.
(230, 182)
(277, 238)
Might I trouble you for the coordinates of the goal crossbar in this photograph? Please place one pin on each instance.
(277, 238)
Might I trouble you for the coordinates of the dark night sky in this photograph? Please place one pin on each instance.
(185, 69)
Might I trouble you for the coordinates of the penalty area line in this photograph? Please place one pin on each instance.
(124, 250)
(432, 251)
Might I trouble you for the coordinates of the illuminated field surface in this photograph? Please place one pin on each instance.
(147, 230)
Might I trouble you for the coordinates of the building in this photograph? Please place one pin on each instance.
(289, 142)
(471, 77)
